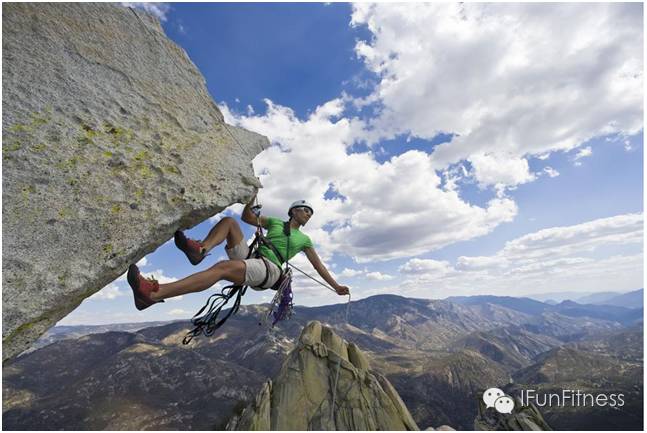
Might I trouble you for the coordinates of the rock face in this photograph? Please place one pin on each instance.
(326, 384)
(111, 142)
(522, 418)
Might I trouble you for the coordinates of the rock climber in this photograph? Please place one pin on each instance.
(259, 273)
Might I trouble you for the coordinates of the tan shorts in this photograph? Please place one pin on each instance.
(255, 269)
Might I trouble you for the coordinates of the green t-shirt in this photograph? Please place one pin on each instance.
(298, 241)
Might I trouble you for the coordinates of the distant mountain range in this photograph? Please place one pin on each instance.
(438, 354)
(75, 331)
(632, 299)
(624, 315)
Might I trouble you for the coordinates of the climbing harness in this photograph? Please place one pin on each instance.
(206, 320)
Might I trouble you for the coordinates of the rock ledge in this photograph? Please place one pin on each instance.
(111, 142)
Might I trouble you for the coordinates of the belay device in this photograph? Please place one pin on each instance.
(206, 320)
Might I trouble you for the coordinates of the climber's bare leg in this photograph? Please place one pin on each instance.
(230, 270)
(227, 228)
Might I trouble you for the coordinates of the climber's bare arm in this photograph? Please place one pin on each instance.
(249, 217)
(313, 257)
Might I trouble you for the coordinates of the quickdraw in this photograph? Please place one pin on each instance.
(282, 305)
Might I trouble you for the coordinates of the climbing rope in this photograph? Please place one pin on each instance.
(208, 322)
(334, 390)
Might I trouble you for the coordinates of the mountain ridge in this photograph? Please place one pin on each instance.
(436, 354)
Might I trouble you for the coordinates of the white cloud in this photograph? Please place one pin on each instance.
(349, 273)
(425, 266)
(586, 237)
(583, 153)
(234, 209)
(480, 262)
(106, 317)
(160, 10)
(179, 312)
(602, 254)
(500, 169)
(512, 79)
(551, 172)
(378, 276)
(108, 293)
(379, 207)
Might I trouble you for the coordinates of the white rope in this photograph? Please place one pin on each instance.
(334, 391)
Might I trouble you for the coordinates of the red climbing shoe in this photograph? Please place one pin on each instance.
(192, 249)
(142, 288)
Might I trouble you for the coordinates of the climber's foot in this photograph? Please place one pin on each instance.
(142, 288)
(193, 249)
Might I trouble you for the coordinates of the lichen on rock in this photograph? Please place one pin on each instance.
(111, 142)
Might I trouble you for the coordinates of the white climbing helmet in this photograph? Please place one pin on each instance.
(300, 203)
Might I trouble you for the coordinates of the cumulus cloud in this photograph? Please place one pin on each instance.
(583, 153)
(350, 273)
(234, 209)
(551, 172)
(586, 237)
(500, 170)
(511, 80)
(594, 255)
(378, 276)
(363, 208)
(108, 293)
(179, 312)
(160, 10)
(425, 266)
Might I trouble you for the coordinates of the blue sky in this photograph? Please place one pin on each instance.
(448, 149)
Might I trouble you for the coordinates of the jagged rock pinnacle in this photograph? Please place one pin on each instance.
(324, 368)
(521, 418)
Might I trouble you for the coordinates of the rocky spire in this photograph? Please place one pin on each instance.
(326, 384)
(521, 418)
